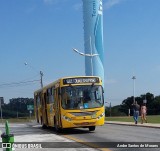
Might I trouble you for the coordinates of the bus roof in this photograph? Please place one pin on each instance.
(69, 77)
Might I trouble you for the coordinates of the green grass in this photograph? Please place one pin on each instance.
(150, 119)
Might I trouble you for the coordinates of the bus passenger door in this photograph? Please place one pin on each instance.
(57, 120)
(36, 107)
(44, 111)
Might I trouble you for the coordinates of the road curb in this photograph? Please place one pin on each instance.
(131, 124)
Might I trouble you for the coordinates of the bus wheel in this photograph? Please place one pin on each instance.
(41, 120)
(58, 130)
(92, 128)
(43, 125)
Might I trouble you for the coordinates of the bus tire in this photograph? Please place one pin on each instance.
(37, 120)
(92, 128)
(43, 125)
(58, 130)
(41, 120)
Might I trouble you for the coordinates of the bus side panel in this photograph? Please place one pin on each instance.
(37, 110)
(44, 110)
(50, 113)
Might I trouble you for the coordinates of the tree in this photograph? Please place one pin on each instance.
(156, 105)
(17, 105)
(115, 111)
(153, 103)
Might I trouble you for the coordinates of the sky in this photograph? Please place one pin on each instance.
(42, 34)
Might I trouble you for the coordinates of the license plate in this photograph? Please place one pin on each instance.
(85, 123)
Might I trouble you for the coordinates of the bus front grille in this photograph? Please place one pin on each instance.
(84, 113)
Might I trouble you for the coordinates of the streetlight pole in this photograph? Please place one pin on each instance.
(145, 100)
(91, 55)
(110, 108)
(134, 78)
(87, 55)
(1, 109)
(41, 73)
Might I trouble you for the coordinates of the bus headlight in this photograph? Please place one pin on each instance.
(66, 118)
(100, 116)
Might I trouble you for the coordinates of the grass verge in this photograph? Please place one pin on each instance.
(150, 118)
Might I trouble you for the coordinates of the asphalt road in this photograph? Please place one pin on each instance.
(121, 134)
(106, 137)
(118, 133)
(28, 134)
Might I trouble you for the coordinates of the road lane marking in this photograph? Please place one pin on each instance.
(85, 143)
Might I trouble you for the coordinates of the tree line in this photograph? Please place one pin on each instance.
(17, 107)
(152, 103)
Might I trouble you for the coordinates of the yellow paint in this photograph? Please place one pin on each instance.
(85, 143)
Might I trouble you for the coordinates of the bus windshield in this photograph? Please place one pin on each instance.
(82, 97)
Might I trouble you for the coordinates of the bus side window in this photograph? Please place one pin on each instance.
(48, 95)
(51, 97)
(38, 100)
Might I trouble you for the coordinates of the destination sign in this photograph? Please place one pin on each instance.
(81, 80)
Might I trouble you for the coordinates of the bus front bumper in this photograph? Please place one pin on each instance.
(69, 123)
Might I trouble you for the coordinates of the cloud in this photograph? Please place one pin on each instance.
(111, 3)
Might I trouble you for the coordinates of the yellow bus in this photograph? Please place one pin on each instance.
(71, 102)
